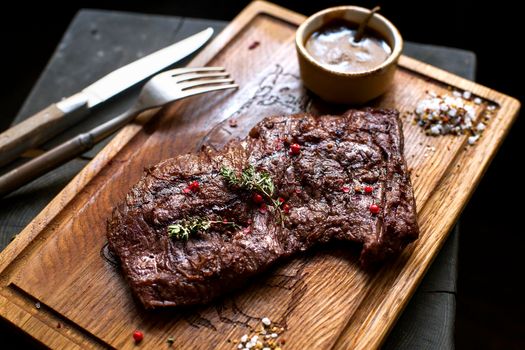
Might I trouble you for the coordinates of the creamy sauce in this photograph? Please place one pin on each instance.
(334, 46)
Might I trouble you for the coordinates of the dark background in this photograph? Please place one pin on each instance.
(490, 306)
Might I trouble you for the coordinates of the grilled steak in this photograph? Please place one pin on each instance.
(330, 182)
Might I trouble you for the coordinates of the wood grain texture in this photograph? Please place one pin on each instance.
(322, 298)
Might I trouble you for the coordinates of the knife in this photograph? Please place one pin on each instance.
(57, 117)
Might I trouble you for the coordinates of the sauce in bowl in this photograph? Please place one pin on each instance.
(334, 46)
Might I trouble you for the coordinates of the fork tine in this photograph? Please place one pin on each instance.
(202, 90)
(188, 77)
(179, 71)
(198, 83)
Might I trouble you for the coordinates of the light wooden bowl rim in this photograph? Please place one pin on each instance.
(308, 27)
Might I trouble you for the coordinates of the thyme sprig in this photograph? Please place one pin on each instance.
(252, 180)
(193, 225)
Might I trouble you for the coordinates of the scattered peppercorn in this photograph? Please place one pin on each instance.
(171, 340)
(233, 123)
(286, 208)
(138, 336)
(281, 200)
(374, 209)
(254, 45)
(263, 208)
(295, 149)
(257, 198)
(194, 186)
(369, 189)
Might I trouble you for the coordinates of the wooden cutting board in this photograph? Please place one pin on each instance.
(60, 285)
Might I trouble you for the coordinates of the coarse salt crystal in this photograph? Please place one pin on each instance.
(240, 346)
(267, 348)
(477, 100)
(480, 127)
(244, 338)
(435, 129)
(254, 339)
(448, 114)
(435, 104)
(491, 107)
(250, 345)
(449, 100)
(266, 321)
(274, 335)
(472, 139)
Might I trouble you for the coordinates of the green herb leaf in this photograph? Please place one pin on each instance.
(193, 225)
(253, 180)
(178, 231)
(229, 175)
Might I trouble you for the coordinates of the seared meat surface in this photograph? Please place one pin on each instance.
(342, 167)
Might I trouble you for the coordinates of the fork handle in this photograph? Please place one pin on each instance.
(59, 155)
(41, 127)
(45, 162)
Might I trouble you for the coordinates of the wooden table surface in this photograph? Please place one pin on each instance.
(98, 42)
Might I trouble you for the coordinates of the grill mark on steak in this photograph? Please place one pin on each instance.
(363, 146)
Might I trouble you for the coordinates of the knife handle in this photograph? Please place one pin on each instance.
(41, 127)
(45, 162)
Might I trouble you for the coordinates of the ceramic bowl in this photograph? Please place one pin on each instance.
(347, 87)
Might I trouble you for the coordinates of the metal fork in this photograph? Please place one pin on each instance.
(162, 89)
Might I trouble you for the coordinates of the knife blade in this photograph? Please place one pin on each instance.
(58, 116)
